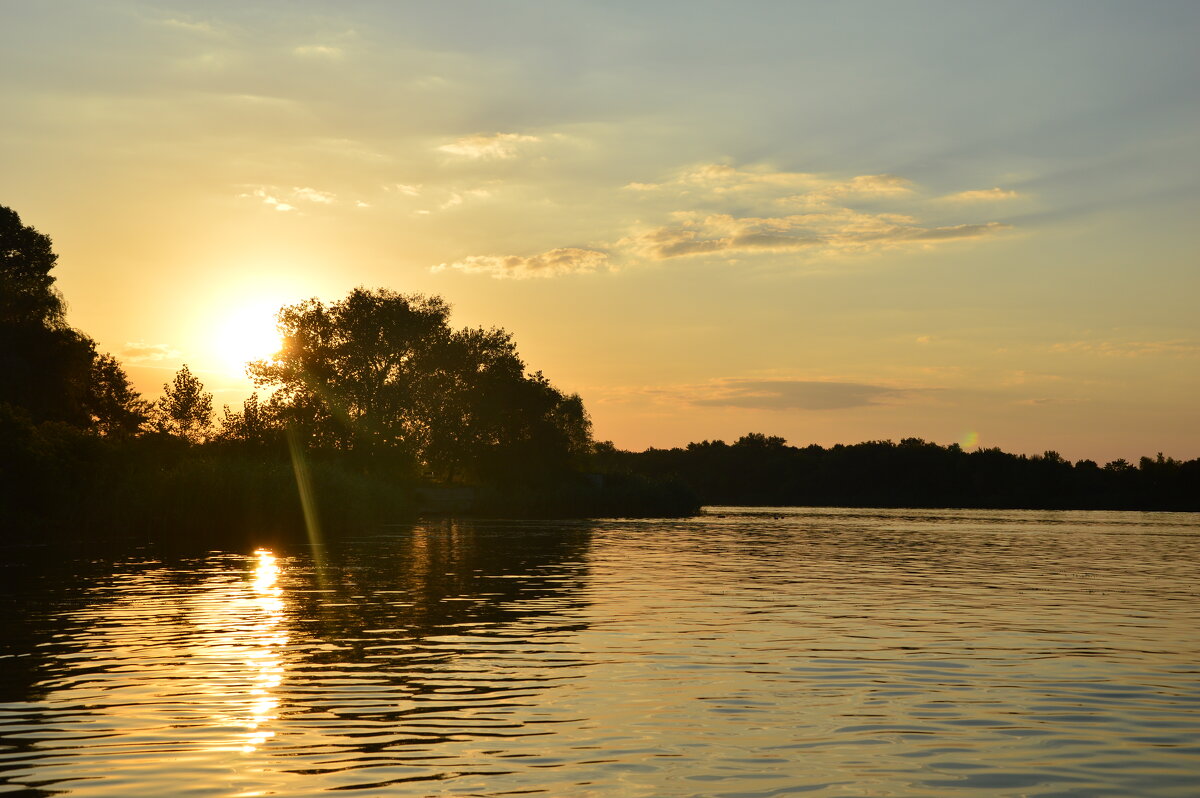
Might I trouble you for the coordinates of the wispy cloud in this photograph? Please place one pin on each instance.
(271, 199)
(457, 198)
(796, 394)
(313, 195)
(289, 199)
(842, 230)
(1171, 348)
(567, 260)
(857, 189)
(981, 195)
(188, 25)
(720, 179)
(798, 213)
(484, 146)
(318, 51)
(140, 352)
(1044, 401)
(1026, 377)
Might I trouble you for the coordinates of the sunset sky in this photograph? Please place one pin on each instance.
(832, 222)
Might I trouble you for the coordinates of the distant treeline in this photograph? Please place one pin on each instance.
(763, 470)
(375, 402)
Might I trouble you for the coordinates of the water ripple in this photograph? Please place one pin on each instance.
(765, 652)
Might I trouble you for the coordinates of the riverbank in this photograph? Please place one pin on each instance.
(63, 484)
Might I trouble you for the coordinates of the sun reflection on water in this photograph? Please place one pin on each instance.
(262, 640)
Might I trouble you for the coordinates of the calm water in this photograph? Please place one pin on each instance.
(741, 653)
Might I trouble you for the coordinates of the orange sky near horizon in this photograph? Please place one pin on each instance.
(832, 223)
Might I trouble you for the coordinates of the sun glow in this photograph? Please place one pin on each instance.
(245, 334)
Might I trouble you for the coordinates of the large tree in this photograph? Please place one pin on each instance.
(48, 369)
(383, 373)
(45, 365)
(348, 374)
(486, 416)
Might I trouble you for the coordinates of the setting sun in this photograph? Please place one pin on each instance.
(246, 333)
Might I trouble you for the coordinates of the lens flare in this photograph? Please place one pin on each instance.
(969, 440)
(304, 486)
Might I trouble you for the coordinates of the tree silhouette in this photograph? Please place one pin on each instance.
(116, 409)
(45, 365)
(254, 424)
(26, 259)
(382, 374)
(184, 410)
(761, 470)
(348, 374)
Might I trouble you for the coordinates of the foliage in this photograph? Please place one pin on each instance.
(45, 365)
(45, 467)
(255, 424)
(212, 494)
(115, 409)
(48, 369)
(762, 470)
(383, 375)
(347, 374)
(160, 489)
(185, 409)
(26, 259)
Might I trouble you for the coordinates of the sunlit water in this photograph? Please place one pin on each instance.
(741, 653)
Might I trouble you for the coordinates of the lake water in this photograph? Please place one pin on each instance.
(752, 653)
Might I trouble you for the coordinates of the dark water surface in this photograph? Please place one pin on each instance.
(740, 653)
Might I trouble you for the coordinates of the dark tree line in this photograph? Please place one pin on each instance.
(763, 470)
(374, 395)
(376, 374)
(368, 397)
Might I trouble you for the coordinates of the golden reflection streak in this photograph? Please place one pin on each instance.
(264, 642)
